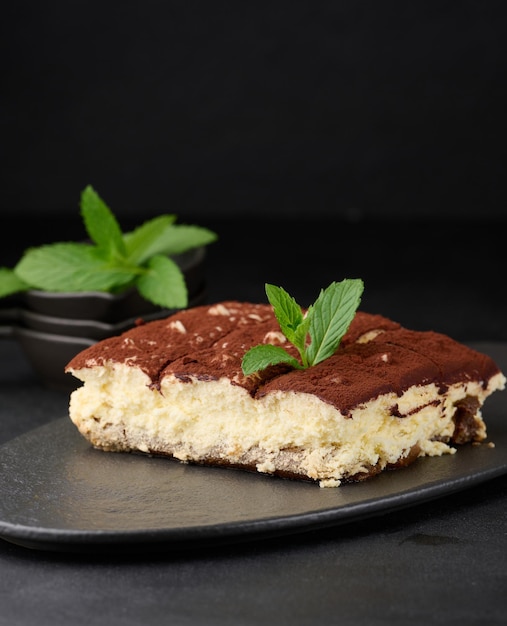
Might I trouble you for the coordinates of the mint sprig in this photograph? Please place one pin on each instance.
(316, 334)
(113, 261)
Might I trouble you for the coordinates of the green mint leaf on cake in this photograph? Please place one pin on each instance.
(289, 315)
(260, 357)
(316, 334)
(330, 318)
(112, 261)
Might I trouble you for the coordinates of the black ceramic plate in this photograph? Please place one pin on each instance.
(58, 493)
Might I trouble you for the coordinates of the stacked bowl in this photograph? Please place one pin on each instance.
(53, 327)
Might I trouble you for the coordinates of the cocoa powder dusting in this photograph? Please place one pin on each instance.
(376, 356)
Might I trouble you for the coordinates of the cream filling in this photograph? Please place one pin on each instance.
(196, 421)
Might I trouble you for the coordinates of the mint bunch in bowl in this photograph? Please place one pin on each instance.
(112, 261)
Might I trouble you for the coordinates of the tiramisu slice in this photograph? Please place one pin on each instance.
(176, 387)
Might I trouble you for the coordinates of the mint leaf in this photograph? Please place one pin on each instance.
(11, 283)
(333, 312)
(101, 225)
(287, 312)
(262, 356)
(113, 261)
(178, 238)
(163, 283)
(147, 240)
(325, 322)
(70, 267)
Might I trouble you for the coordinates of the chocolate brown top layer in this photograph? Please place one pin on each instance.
(376, 356)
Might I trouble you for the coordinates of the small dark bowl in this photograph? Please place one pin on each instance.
(48, 355)
(49, 352)
(53, 327)
(88, 329)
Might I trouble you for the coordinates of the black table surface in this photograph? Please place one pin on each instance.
(438, 562)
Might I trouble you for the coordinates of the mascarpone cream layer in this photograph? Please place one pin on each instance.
(282, 432)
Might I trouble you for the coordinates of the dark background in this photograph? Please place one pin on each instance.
(321, 140)
(356, 110)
